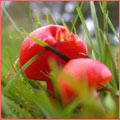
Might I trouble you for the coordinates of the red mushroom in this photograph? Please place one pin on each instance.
(51, 34)
(94, 72)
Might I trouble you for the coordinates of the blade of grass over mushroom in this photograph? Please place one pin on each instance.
(12, 21)
(85, 27)
(109, 22)
(76, 18)
(48, 19)
(56, 88)
(97, 32)
(37, 19)
(55, 72)
(43, 44)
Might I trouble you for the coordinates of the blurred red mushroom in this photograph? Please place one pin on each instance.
(94, 72)
(72, 47)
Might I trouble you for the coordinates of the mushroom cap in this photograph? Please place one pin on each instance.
(51, 34)
(93, 72)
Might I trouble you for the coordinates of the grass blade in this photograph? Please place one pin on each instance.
(110, 23)
(76, 18)
(48, 19)
(96, 25)
(43, 44)
(31, 20)
(112, 28)
(115, 71)
(109, 61)
(37, 19)
(55, 70)
(85, 27)
(53, 18)
(104, 3)
(75, 31)
(64, 24)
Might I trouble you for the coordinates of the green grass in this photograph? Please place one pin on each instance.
(24, 98)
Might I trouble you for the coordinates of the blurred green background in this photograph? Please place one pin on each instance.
(21, 12)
